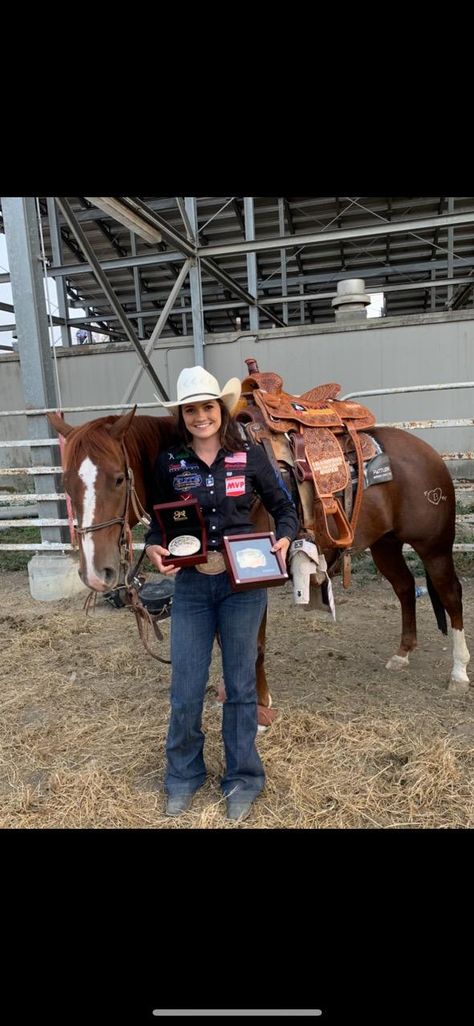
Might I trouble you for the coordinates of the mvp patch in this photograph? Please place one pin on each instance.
(235, 486)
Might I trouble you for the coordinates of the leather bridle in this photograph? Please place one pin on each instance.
(125, 540)
(132, 582)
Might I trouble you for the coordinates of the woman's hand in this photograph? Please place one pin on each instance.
(282, 546)
(155, 553)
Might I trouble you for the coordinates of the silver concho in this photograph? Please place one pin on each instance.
(184, 545)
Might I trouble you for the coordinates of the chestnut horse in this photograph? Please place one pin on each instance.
(416, 507)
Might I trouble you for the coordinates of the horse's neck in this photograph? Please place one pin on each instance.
(147, 437)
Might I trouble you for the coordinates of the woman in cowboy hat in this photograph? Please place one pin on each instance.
(222, 471)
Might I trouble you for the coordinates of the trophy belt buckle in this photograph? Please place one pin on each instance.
(215, 564)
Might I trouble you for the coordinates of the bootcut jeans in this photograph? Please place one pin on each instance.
(204, 604)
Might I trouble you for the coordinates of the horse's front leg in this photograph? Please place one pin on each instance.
(388, 558)
(265, 713)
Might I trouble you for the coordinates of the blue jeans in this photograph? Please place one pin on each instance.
(202, 605)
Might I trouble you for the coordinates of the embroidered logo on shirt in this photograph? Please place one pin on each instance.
(235, 486)
(182, 465)
(185, 481)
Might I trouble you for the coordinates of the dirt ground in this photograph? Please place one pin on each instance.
(84, 716)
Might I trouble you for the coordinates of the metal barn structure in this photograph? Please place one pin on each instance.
(194, 271)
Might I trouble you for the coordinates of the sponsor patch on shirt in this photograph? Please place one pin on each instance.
(235, 486)
(235, 457)
(183, 465)
(185, 481)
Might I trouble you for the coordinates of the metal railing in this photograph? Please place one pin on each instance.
(28, 499)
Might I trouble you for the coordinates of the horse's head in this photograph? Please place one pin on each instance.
(95, 477)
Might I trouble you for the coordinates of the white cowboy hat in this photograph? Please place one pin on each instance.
(195, 385)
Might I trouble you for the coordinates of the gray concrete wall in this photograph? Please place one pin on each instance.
(378, 353)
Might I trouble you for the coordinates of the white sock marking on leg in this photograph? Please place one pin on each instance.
(461, 657)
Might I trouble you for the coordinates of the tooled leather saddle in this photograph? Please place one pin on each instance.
(318, 435)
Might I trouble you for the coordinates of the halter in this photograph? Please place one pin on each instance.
(132, 581)
(125, 540)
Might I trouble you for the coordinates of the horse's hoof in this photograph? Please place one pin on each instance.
(265, 717)
(458, 687)
(397, 663)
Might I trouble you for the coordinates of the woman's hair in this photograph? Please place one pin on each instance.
(229, 433)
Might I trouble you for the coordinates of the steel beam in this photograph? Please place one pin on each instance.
(195, 283)
(324, 278)
(190, 250)
(101, 279)
(36, 363)
(281, 229)
(157, 330)
(72, 270)
(366, 232)
(170, 234)
(136, 283)
(450, 251)
(116, 209)
(249, 215)
(289, 298)
(56, 249)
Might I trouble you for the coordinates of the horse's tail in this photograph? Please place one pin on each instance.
(439, 610)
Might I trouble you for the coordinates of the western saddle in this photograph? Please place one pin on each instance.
(315, 436)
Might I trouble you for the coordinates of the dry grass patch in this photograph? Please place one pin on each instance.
(84, 716)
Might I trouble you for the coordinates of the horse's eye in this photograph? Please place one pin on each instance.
(120, 480)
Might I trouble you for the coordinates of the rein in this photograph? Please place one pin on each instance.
(132, 583)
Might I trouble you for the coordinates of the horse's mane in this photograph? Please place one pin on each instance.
(146, 436)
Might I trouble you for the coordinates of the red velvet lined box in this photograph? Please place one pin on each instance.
(182, 518)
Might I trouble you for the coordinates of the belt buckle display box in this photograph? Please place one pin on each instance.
(251, 563)
(184, 532)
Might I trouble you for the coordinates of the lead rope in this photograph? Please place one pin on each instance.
(143, 617)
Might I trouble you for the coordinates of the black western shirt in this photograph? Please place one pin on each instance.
(224, 491)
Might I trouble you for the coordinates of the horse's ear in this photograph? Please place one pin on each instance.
(59, 424)
(119, 429)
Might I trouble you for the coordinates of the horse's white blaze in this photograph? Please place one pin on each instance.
(461, 658)
(88, 474)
